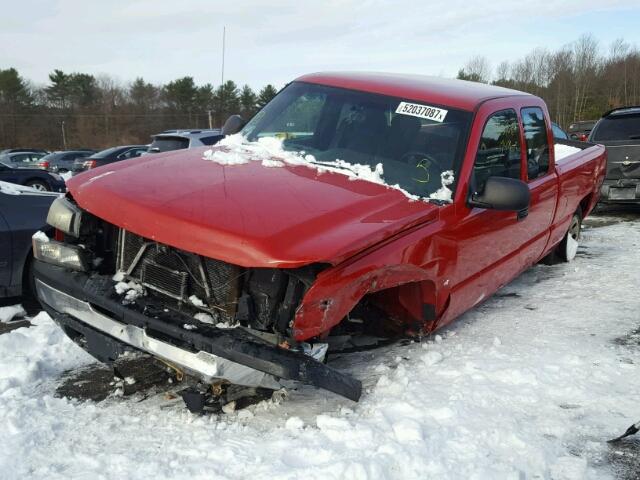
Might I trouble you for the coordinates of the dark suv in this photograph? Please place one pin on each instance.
(619, 131)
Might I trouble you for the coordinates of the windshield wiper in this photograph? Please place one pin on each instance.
(333, 165)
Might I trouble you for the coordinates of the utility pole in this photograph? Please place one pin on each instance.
(64, 137)
(224, 34)
(210, 120)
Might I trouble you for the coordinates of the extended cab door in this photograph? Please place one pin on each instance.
(541, 177)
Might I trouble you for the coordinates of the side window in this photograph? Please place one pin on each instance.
(499, 150)
(212, 140)
(535, 136)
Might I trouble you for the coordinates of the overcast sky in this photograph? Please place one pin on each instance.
(275, 41)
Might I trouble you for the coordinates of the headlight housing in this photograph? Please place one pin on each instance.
(65, 216)
(56, 253)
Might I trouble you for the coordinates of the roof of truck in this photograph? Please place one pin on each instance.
(441, 91)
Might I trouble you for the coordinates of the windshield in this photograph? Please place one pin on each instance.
(416, 142)
(625, 127)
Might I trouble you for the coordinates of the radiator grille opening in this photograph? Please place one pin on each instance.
(179, 274)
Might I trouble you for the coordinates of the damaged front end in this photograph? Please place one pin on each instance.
(112, 291)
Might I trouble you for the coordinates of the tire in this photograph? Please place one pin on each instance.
(568, 247)
(39, 185)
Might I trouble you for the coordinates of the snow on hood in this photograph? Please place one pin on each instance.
(237, 150)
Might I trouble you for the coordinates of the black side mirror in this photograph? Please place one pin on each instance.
(502, 193)
(233, 125)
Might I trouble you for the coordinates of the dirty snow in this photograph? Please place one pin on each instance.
(563, 151)
(529, 384)
(66, 175)
(131, 290)
(195, 301)
(268, 150)
(11, 312)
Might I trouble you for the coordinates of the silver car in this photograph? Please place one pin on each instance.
(180, 139)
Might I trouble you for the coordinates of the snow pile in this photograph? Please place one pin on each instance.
(131, 290)
(9, 313)
(563, 151)
(41, 236)
(527, 385)
(13, 189)
(444, 193)
(268, 150)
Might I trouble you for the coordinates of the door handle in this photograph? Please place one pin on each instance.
(522, 214)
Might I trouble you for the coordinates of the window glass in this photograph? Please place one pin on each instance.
(168, 144)
(499, 150)
(535, 136)
(369, 129)
(558, 132)
(211, 140)
(623, 127)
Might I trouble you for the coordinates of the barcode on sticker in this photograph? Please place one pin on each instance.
(422, 111)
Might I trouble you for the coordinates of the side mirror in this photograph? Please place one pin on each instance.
(501, 193)
(233, 125)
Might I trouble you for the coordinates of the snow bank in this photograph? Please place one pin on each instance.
(523, 386)
(563, 150)
(236, 150)
(13, 189)
(9, 313)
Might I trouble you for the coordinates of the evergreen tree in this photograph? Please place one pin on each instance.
(266, 94)
(248, 102)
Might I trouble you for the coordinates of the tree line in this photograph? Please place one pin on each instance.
(579, 81)
(78, 110)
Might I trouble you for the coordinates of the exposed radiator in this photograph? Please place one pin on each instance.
(178, 274)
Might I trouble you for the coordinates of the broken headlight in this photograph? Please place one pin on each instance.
(65, 216)
(56, 253)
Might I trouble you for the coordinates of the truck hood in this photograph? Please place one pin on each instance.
(248, 214)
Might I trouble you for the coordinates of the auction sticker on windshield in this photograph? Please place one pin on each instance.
(422, 111)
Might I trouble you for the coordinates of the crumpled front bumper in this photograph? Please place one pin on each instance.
(84, 305)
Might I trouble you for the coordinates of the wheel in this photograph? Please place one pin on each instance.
(38, 185)
(569, 245)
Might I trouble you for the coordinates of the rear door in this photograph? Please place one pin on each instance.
(541, 178)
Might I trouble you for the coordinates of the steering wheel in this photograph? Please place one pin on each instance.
(428, 169)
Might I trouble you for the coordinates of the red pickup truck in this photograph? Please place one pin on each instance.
(352, 208)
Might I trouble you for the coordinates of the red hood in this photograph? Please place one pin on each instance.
(246, 214)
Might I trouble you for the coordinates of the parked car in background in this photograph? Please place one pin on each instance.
(180, 139)
(444, 191)
(61, 162)
(110, 155)
(21, 159)
(558, 132)
(32, 177)
(619, 131)
(23, 211)
(15, 150)
(580, 130)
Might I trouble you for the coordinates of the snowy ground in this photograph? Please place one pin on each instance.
(528, 385)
